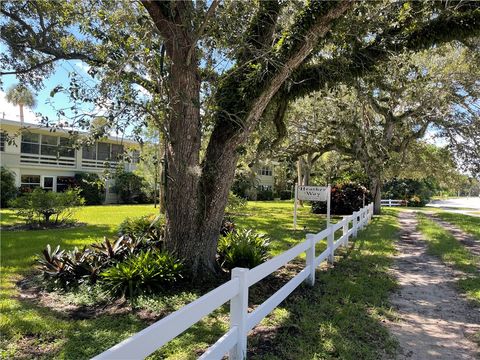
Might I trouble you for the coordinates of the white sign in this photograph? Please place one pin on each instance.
(313, 193)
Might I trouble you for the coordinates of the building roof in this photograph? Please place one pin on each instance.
(25, 125)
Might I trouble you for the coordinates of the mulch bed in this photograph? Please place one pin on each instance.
(23, 227)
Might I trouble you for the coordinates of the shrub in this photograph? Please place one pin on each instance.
(40, 206)
(228, 225)
(285, 195)
(107, 252)
(68, 269)
(415, 192)
(243, 248)
(235, 203)
(92, 188)
(345, 199)
(264, 194)
(8, 191)
(148, 227)
(143, 273)
(244, 184)
(129, 187)
(416, 201)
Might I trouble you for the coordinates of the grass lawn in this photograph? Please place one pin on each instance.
(467, 223)
(443, 244)
(339, 318)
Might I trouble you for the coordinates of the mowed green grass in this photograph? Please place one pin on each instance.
(351, 297)
(443, 244)
(341, 316)
(469, 224)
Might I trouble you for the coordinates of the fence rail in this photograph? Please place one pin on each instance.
(392, 202)
(234, 342)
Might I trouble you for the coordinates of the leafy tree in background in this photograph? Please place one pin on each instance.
(48, 208)
(414, 192)
(91, 187)
(246, 58)
(376, 118)
(129, 187)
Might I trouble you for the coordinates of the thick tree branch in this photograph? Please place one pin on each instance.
(259, 35)
(363, 60)
(318, 30)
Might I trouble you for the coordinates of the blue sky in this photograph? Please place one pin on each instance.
(46, 105)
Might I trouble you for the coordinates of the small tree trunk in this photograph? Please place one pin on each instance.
(47, 217)
(376, 189)
(162, 181)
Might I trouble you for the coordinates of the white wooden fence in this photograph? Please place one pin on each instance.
(234, 342)
(391, 202)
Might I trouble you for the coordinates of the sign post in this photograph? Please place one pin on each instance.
(329, 189)
(311, 193)
(295, 204)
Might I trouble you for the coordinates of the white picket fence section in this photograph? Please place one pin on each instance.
(234, 342)
(391, 202)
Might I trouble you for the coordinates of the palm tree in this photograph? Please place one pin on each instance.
(22, 96)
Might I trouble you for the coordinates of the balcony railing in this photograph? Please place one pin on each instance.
(49, 160)
(98, 164)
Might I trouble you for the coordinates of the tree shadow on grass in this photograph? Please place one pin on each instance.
(9, 217)
(341, 316)
(19, 248)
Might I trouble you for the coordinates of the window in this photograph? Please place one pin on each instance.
(29, 182)
(135, 157)
(117, 152)
(30, 143)
(89, 152)
(66, 149)
(48, 183)
(64, 183)
(49, 145)
(103, 151)
(266, 171)
(2, 141)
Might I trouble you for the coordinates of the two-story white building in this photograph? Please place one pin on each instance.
(266, 176)
(41, 158)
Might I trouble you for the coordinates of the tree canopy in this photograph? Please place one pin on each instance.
(207, 74)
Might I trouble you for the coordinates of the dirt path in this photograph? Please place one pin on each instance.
(472, 244)
(435, 322)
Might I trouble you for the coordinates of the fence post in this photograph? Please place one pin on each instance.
(330, 241)
(310, 259)
(355, 223)
(389, 202)
(345, 231)
(238, 315)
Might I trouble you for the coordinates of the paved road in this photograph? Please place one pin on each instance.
(463, 202)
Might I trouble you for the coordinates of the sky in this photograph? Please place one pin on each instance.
(46, 105)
